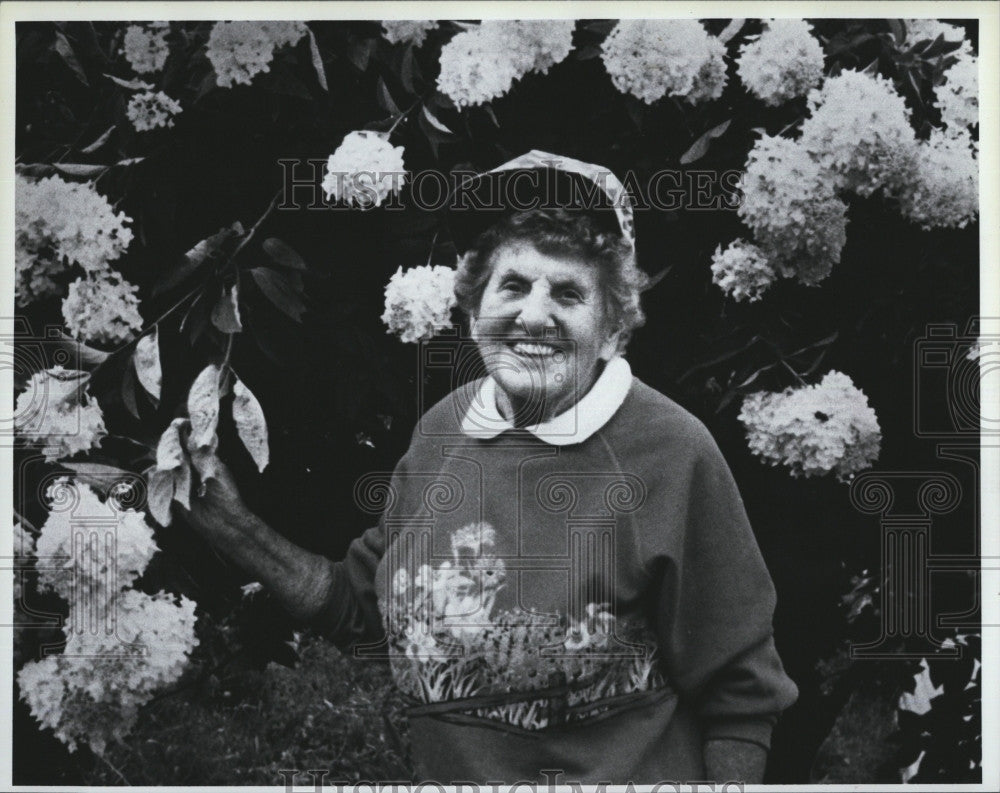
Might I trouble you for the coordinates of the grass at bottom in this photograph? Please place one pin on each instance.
(331, 713)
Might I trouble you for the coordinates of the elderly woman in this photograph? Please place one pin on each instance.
(563, 578)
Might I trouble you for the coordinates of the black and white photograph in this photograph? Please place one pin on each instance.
(529, 396)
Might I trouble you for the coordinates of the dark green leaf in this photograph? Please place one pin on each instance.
(131, 85)
(277, 289)
(283, 254)
(360, 52)
(588, 52)
(700, 147)
(99, 142)
(128, 391)
(435, 122)
(195, 258)
(385, 98)
(280, 81)
(409, 71)
(604, 26)
(80, 169)
(65, 51)
(898, 28)
(730, 30)
(226, 312)
(493, 116)
(317, 61)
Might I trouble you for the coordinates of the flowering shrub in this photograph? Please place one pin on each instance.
(944, 192)
(814, 430)
(651, 59)
(364, 169)
(104, 308)
(150, 110)
(119, 209)
(93, 691)
(859, 130)
(404, 31)
(790, 203)
(61, 220)
(419, 301)
(78, 568)
(145, 46)
(958, 96)
(783, 63)
(481, 64)
(55, 411)
(742, 271)
(241, 50)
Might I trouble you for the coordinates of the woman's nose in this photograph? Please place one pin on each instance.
(536, 312)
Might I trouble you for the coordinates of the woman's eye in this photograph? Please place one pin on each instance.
(570, 296)
(511, 286)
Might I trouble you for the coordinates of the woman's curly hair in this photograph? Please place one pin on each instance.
(560, 233)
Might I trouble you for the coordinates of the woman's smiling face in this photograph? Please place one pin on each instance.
(542, 330)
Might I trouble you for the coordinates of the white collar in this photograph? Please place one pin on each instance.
(579, 422)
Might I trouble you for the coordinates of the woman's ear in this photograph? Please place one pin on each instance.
(611, 346)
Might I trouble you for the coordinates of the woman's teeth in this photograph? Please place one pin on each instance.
(535, 350)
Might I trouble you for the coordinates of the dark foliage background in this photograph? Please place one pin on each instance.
(340, 395)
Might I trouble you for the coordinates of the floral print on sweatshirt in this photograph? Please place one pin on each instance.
(449, 642)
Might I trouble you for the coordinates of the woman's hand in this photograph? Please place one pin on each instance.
(301, 580)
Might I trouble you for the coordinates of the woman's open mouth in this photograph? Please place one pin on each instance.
(535, 349)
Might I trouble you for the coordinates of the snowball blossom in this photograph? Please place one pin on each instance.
(790, 203)
(958, 96)
(55, 411)
(145, 46)
(93, 691)
(241, 50)
(57, 220)
(418, 301)
(944, 192)
(859, 129)
(742, 271)
(407, 31)
(91, 548)
(364, 169)
(784, 62)
(653, 58)
(150, 110)
(481, 64)
(817, 429)
(103, 309)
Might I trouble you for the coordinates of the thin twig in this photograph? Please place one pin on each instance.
(402, 115)
(119, 774)
(790, 369)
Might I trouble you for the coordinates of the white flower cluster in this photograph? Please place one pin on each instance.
(419, 301)
(90, 548)
(958, 96)
(927, 30)
(407, 31)
(651, 58)
(55, 411)
(150, 110)
(56, 220)
(24, 542)
(93, 691)
(145, 46)
(742, 271)
(103, 309)
(828, 427)
(944, 192)
(481, 64)
(792, 207)
(242, 49)
(859, 130)
(533, 45)
(364, 169)
(785, 61)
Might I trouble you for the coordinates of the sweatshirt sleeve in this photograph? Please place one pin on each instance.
(350, 615)
(716, 603)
